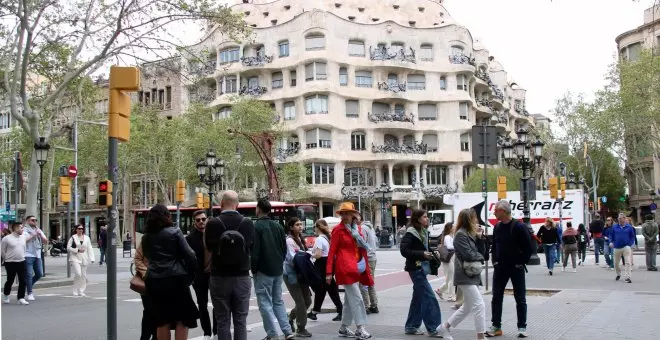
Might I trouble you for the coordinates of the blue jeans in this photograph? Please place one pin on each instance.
(599, 243)
(33, 272)
(271, 305)
(102, 250)
(423, 306)
(609, 254)
(550, 255)
(557, 252)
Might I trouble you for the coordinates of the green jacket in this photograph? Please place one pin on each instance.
(650, 231)
(269, 248)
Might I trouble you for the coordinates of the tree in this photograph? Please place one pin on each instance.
(50, 47)
(473, 183)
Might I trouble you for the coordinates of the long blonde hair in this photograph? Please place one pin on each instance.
(466, 220)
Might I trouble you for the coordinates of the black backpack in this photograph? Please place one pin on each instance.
(231, 248)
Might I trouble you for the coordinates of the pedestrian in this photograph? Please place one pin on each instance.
(35, 239)
(348, 262)
(549, 238)
(369, 295)
(299, 291)
(268, 255)
(650, 232)
(608, 252)
(147, 326)
(569, 239)
(583, 243)
(169, 275)
(13, 258)
(447, 291)
(596, 230)
(467, 250)
(81, 254)
(320, 254)
(228, 240)
(511, 250)
(102, 241)
(424, 306)
(559, 245)
(195, 239)
(622, 240)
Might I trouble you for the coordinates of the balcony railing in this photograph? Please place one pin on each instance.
(259, 60)
(483, 76)
(438, 190)
(485, 102)
(462, 59)
(284, 153)
(384, 53)
(392, 86)
(392, 116)
(201, 69)
(353, 192)
(497, 94)
(417, 148)
(204, 97)
(254, 91)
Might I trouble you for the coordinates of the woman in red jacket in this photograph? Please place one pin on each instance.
(347, 259)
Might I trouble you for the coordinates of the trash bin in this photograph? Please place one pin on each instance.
(385, 240)
(127, 248)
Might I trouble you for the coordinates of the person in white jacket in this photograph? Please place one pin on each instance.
(80, 249)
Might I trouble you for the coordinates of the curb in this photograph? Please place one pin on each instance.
(55, 283)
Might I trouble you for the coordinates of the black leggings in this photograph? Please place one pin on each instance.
(582, 251)
(331, 288)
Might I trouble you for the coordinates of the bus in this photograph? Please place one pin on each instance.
(280, 212)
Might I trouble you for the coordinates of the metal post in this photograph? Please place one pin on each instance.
(178, 215)
(66, 232)
(41, 216)
(210, 214)
(485, 141)
(534, 258)
(111, 251)
(76, 203)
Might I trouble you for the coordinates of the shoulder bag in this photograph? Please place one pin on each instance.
(472, 268)
(137, 285)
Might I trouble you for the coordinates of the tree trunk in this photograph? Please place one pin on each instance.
(32, 190)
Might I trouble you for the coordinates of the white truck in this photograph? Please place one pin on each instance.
(573, 208)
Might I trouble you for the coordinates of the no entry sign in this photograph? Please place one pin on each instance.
(72, 171)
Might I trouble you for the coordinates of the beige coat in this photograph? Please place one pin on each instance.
(76, 256)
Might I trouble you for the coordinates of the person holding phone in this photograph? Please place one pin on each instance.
(82, 254)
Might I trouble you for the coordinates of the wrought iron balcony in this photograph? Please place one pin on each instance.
(259, 60)
(462, 59)
(437, 191)
(417, 148)
(497, 94)
(392, 86)
(203, 97)
(202, 69)
(391, 116)
(485, 102)
(284, 153)
(525, 112)
(353, 192)
(384, 53)
(483, 76)
(254, 91)
(517, 107)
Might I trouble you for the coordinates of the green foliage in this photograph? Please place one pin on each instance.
(473, 183)
(292, 181)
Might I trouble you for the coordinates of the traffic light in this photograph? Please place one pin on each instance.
(65, 189)
(552, 186)
(105, 193)
(180, 190)
(563, 187)
(119, 102)
(501, 187)
(199, 199)
(207, 201)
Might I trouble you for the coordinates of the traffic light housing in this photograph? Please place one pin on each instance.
(119, 102)
(105, 193)
(65, 189)
(180, 190)
(553, 187)
(207, 201)
(563, 187)
(199, 200)
(501, 187)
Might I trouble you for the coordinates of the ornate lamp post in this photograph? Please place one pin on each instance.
(210, 172)
(525, 155)
(386, 192)
(41, 153)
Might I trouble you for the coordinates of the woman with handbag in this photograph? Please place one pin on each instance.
(299, 292)
(81, 255)
(171, 265)
(320, 254)
(468, 265)
(423, 305)
(446, 251)
(148, 329)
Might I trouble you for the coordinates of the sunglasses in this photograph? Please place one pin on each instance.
(203, 219)
(80, 229)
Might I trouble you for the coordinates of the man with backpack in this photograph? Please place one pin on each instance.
(228, 240)
(511, 250)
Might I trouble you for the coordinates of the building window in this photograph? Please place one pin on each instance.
(314, 42)
(352, 108)
(318, 138)
(632, 52)
(289, 111)
(416, 82)
(231, 84)
(363, 79)
(283, 47)
(320, 173)
(292, 75)
(461, 82)
(436, 175)
(399, 109)
(5, 120)
(443, 83)
(427, 111)
(465, 142)
(356, 48)
(396, 48)
(315, 71)
(168, 97)
(456, 50)
(278, 81)
(467, 172)
(463, 110)
(229, 55)
(343, 76)
(223, 113)
(316, 104)
(426, 52)
(161, 98)
(359, 177)
(358, 141)
(431, 141)
(380, 108)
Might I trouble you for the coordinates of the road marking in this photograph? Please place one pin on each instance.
(100, 298)
(133, 300)
(50, 294)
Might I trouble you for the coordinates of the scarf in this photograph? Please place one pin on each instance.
(353, 229)
(416, 233)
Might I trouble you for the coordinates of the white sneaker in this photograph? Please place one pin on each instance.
(444, 332)
(83, 294)
(207, 337)
(574, 270)
(5, 298)
(30, 297)
(76, 294)
(563, 269)
(23, 302)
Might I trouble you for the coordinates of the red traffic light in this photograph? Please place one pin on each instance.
(103, 187)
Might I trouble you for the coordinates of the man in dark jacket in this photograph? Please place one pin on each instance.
(103, 243)
(268, 253)
(228, 239)
(201, 284)
(511, 250)
(596, 230)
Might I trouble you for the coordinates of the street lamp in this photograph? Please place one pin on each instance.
(210, 172)
(41, 153)
(526, 156)
(386, 192)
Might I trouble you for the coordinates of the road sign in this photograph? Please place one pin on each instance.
(604, 199)
(653, 206)
(72, 171)
(7, 215)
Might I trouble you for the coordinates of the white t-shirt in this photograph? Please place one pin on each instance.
(13, 248)
(323, 244)
(448, 241)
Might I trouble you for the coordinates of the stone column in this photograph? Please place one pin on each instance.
(390, 170)
(405, 176)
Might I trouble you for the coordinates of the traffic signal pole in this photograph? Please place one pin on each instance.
(111, 253)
